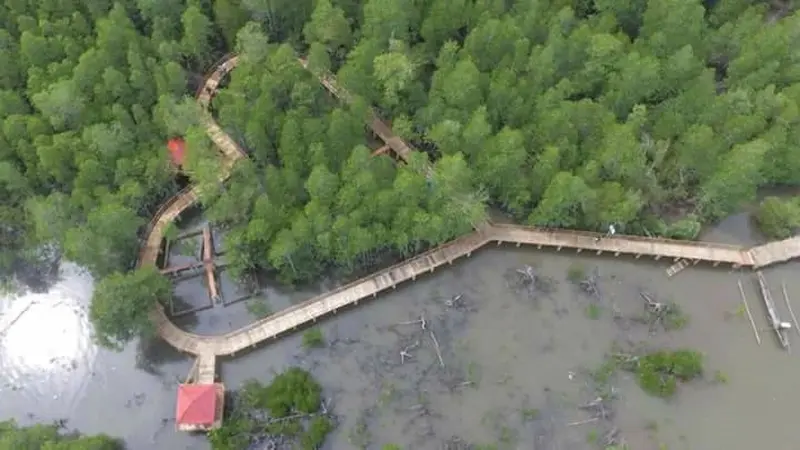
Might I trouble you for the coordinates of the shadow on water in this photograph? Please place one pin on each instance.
(153, 353)
(35, 270)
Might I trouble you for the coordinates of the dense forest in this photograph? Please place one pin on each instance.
(655, 116)
(49, 437)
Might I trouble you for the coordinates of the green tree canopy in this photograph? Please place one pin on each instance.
(122, 304)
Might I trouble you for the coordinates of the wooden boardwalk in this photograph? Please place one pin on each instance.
(629, 245)
(172, 208)
(775, 252)
(208, 348)
(206, 368)
(208, 259)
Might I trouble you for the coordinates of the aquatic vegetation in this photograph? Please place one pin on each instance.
(593, 311)
(659, 373)
(313, 338)
(777, 218)
(41, 437)
(121, 305)
(576, 273)
(290, 408)
(258, 307)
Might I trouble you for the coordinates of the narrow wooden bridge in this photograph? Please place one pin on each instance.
(208, 348)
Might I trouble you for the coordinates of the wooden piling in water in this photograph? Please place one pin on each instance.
(774, 319)
(789, 307)
(679, 265)
(749, 315)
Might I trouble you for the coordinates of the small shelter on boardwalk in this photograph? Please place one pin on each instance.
(177, 150)
(200, 407)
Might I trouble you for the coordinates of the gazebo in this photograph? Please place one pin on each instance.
(200, 407)
(177, 150)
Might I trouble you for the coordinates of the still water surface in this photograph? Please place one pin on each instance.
(517, 353)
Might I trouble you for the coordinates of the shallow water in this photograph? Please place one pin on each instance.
(502, 353)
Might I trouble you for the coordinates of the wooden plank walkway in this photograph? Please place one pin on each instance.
(208, 258)
(775, 252)
(206, 368)
(631, 245)
(346, 295)
(209, 347)
(350, 294)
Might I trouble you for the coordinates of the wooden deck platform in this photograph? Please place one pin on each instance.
(209, 347)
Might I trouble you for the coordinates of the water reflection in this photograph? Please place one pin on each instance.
(46, 348)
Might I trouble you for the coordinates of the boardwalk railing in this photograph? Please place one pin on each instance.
(208, 347)
(347, 294)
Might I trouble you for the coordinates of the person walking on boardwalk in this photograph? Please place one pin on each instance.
(611, 232)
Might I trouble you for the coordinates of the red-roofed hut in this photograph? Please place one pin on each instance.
(177, 150)
(200, 407)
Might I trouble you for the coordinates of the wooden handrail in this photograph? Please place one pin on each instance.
(225, 344)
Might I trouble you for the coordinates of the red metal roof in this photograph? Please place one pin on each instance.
(197, 404)
(177, 149)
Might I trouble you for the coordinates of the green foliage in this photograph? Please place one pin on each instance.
(293, 397)
(686, 228)
(293, 391)
(318, 429)
(48, 437)
(658, 373)
(391, 447)
(674, 318)
(778, 219)
(258, 307)
(576, 273)
(313, 338)
(529, 414)
(122, 303)
(630, 109)
(593, 311)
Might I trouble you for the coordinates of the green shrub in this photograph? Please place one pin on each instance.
(576, 273)
(293, 391)
(659, 372)
(313, 338)
(687, 228)
(778, 219)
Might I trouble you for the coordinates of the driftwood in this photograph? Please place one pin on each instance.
(612, 438)
(658, 313)
(526, 280)
(420, 321)
(749, 314)
(583, 422)
(424, 325)
(589, 284)
(652, 305)
(404, 353)
(598, 407)
(436, 346)
(454, 300)
(18, 316)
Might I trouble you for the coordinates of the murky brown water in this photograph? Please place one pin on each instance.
(502, 352)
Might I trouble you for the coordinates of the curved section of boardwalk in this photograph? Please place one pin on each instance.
(172, 208)
(207, 348)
